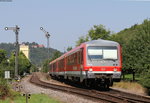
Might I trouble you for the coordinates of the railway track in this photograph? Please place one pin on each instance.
(105, 97)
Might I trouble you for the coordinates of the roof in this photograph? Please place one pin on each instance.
(102, 42)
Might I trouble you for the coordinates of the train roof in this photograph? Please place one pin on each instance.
(66, 54)
(102, 42)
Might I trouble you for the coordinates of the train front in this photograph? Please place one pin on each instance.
(103, 62)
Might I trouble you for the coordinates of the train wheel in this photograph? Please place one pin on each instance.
(104, 85)
(86, 83)
(111, 82)
(107, 84)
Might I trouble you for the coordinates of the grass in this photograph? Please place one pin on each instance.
(130, 77)
(133, 87)
(35, 98)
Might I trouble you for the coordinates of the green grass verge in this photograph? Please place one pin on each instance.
(130, 77)
(35, 98)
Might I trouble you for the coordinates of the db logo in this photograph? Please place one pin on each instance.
(103, 68)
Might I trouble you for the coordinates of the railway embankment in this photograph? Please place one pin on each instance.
(131, 87)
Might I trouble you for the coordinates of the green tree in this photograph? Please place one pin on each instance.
(46, 62)
(4, 89)
(33, 68)
(3, 62)
(45, 67)
(145, 80)
(81, 40)
(135, 47)
(2, 55)
(98, 32)
(69, 48)
(23, 63)
(9, 47)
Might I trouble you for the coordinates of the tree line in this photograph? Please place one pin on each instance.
(37, 55)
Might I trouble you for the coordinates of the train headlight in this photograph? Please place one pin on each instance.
(90, 69)
(115, 69)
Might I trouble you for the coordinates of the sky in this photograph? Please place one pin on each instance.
(67, 20)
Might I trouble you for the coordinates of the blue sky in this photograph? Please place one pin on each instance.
(67, 20)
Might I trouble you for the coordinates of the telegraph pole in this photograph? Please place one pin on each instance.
(47, 35)
(16, 30)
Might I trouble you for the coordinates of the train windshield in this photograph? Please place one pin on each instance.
(102, 53)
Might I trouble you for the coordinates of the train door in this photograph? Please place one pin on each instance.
(81, 64)
(65, 64)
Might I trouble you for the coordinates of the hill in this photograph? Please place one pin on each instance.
(38, 53)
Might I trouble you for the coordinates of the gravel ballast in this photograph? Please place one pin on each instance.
(28, 87)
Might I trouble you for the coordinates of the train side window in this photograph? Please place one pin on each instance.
(62, 63)
(75, 58)
(59, 64)
(50, 67)
(68, 60)
(80, 56)
(55, 65)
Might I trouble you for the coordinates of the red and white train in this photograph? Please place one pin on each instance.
(96, 62)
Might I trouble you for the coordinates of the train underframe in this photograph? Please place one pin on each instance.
(102, 82)
(98, 81)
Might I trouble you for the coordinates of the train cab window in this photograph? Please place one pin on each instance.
(95, 53)
(110, 53)
(105, 53)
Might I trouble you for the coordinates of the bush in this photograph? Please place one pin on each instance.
(4, 89)
(14, 94)
(145, 81)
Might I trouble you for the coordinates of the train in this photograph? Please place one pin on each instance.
(93, 63)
